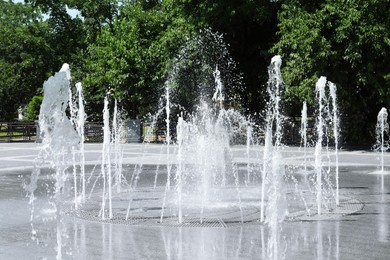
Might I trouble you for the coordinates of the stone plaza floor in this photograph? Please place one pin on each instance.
(362, 234)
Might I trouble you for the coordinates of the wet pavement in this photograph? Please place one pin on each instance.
(363, 234)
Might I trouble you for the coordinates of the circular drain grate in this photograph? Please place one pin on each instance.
(221, 219)
(145, 208)
(346, 206)
(95, 216)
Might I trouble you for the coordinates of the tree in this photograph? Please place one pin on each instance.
(133, 54)
(25, 56)
(67, 36)
(248, 28)
(347, 41)
(131, 57)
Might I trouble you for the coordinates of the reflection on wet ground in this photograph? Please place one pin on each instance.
(361, 235)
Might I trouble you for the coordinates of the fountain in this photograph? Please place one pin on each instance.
(304, 134)
(320, 89)
(273, 120)
(327, 116)
(273, 167)
(203, 160)
(168, 133)
(198, 178)
(80, 123)
(59, 140)
(335, 123)
(381, 145)
(117, 134)
(106, 162)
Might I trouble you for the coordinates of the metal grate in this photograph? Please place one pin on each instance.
(346, 206)
(95, 216)
(221, 218)
(232, 219)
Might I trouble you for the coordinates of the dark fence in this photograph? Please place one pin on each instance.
(17, 131)
(27, 131)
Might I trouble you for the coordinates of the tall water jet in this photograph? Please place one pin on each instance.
(273, 121)
(335, 124)
(382, 128)
(77, 118)
(267, 167)
(106, 162)
(249, 130)
(81, 118)
(168, 134)
(327, 116)
(303, 132)
(118, 152)
(382, 143)
(276, 207)
(58, 139)
(275, 89)
(273, 166)
(168, 143)
(179, 171)
(321, 99)
(73, 118)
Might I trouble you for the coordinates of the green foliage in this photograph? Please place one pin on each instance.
(24, 56)
(95, 14)
(248, 28)
(130, 48)
(33, 108)
(347, 41)
(131, 58)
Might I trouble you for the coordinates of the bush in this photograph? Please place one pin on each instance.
(33, 108)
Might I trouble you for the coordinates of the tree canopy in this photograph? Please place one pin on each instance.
(347, 41)
(129, 48)
(131, 57)
(24, 56)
